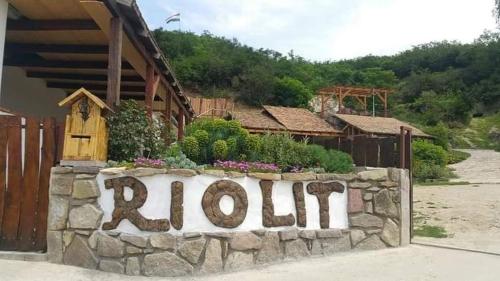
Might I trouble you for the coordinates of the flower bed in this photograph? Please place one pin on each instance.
(245, 167)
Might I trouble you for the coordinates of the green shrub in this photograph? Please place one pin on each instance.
(132, 134)
(180, 162)
(427, 152)
(191, 148)
(282, 149)
(330, 160)
(220, 150)
(208, 131)
(429, 160)
(252, 147)
(338, 161)
(232, 147)
(423, 170)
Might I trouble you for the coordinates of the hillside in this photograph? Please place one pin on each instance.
(482, 132)
(438, 82)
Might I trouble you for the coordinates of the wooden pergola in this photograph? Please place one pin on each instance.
(358, 93)
(104, 46)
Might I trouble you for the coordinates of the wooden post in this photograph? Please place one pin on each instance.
(385, 104)
(114, 62)
(180, 126)
(150, 91)
(168, 115)
(322, 106)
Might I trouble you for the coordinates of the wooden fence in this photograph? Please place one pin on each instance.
(28, 151)
(212, 107)
(383, 152)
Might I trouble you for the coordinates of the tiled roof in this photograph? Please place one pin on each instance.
(258, 119)
(378, 125)
(296, 121)
(300, 119)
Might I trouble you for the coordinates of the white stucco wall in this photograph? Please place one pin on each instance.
(157, 205)
(4, 10)
(30, 96)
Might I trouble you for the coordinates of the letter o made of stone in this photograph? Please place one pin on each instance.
(211, 203)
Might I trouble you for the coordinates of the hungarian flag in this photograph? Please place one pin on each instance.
(173, 18)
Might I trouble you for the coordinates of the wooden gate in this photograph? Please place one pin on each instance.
(28, 151)
(386, 152)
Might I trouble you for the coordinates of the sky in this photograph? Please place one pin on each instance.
(328, 29)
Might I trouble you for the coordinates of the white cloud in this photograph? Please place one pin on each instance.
(330, 29)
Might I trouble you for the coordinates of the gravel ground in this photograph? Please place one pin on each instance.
(469, 213)
(413, 263)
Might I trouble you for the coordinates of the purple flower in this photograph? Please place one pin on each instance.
(245, 167)
(143, 162)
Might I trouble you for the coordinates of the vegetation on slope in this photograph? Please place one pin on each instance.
(440, 86)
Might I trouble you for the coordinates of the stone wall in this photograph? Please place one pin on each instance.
(377, 210)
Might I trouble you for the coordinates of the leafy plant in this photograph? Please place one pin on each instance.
(219, 139)
(425, 151)
(180, 161)
(191, 147)
(282, 149)
(220, 150)
(429, 160)
(132, 134)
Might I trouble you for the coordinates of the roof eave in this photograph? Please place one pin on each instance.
(161, 62)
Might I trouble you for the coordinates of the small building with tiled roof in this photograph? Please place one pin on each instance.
(353, 125)
(296, 121)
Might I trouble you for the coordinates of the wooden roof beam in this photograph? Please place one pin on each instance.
(92, 87)
(131, 32)
(83, 77)
(55, 48)
(30, 62)
(50, 25)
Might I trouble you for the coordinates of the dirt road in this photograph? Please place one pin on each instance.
(470, 213)
(482, 167)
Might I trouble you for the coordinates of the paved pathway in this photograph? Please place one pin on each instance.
(414, 263)
(469, 213)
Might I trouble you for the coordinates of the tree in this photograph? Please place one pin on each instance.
(291, 93)
(257, 86)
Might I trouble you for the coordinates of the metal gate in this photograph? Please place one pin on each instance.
(28, 151)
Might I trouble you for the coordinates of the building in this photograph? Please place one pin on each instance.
(356, 125)
(298, 122)
(50, 48)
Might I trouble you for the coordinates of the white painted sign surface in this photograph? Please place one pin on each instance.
(158, 202)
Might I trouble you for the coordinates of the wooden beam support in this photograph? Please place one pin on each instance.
(50, 25)
(150, 90)
(55, 48)
(168, 116)
(92, 87)
(115, 62)
(130, 31)
(180, 126)
(124, 95)
(82, 77)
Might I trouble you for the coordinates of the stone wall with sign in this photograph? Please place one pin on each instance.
(155, 222)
